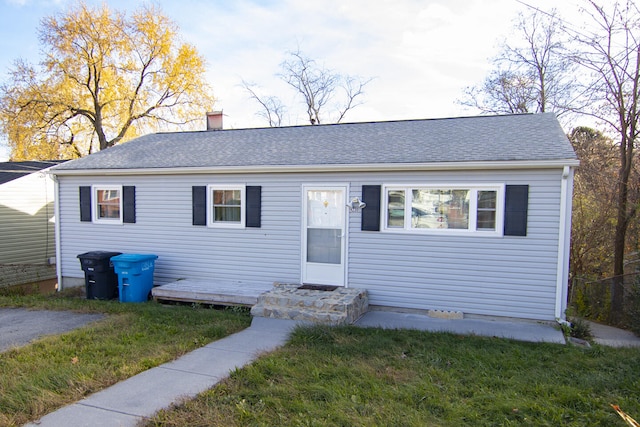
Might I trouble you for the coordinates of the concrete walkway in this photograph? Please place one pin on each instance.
(613, 337)
(130, 401)
(139, 397)
(516, 329)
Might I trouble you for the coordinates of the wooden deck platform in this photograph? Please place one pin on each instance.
(210, 293)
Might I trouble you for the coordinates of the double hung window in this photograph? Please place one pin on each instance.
(107, 204)
(226, 206)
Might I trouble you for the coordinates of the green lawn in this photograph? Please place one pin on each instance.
(370, 377)
(54, 371)
(324, 376)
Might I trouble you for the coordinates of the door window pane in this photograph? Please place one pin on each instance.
(325, 208)
(324, 245)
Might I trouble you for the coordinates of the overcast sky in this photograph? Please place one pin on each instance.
(421, 54)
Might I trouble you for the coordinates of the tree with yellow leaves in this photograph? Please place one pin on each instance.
(105, 78)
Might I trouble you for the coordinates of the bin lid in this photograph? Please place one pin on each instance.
(98, 255)
(134, 257)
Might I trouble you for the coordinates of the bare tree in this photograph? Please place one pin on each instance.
(502, 92)
(353, 88)
(320, 89)
(611, 55)
(532, 74)
(316, 85)
(543, 57)
(272, 108)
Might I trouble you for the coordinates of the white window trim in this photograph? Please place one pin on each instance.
(473, 200)
(210, 213)
(94, 204)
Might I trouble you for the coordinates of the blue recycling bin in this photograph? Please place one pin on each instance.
(135, 276)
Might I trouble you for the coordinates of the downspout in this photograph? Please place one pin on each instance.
(56, 215)
(564, 242)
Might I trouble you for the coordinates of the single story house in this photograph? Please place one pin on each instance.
(461, 214)
(27, 248)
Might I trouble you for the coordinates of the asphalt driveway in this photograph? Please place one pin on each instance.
(19, 326)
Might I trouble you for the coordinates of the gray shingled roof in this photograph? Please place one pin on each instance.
(526, 137)
(14, 170)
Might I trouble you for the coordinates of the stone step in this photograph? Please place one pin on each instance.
(322, 304)
(340, 306)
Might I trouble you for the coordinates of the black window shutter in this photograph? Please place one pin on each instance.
(371, 213)
(253, 211)
(199, 203)
(85, 204)
(515, 213)
(129, 204)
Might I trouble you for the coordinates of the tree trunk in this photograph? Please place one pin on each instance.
(617, 285)
(102, 138)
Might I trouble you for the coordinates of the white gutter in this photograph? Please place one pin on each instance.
(564, 242)
(56, 227)
(378, 167)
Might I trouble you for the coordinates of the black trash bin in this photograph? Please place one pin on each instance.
(101, 281)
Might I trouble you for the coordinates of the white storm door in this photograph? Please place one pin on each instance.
(324, 235)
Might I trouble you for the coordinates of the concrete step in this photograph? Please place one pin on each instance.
(341, 306)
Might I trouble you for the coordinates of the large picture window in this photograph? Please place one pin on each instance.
(107, 204)
(441, 209)
(226, 206)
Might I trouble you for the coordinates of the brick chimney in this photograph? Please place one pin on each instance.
(214, 120)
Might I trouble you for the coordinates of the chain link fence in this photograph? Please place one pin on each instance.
(591, 299)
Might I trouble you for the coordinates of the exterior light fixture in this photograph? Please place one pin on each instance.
(356, 205)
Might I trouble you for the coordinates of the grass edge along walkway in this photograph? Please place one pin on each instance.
(361, 377)
(57, 370)
(131, 401)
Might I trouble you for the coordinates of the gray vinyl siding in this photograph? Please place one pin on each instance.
(164, 227)
(26, 220)
(500, 276)
(504, 276)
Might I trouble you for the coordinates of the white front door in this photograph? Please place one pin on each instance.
(324, 235)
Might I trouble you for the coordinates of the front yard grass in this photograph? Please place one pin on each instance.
(57, 370)
(371, 377)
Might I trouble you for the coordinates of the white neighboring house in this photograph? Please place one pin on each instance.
(463, 214)
(27, 246)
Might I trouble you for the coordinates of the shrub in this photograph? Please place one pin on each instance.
(580, 328)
